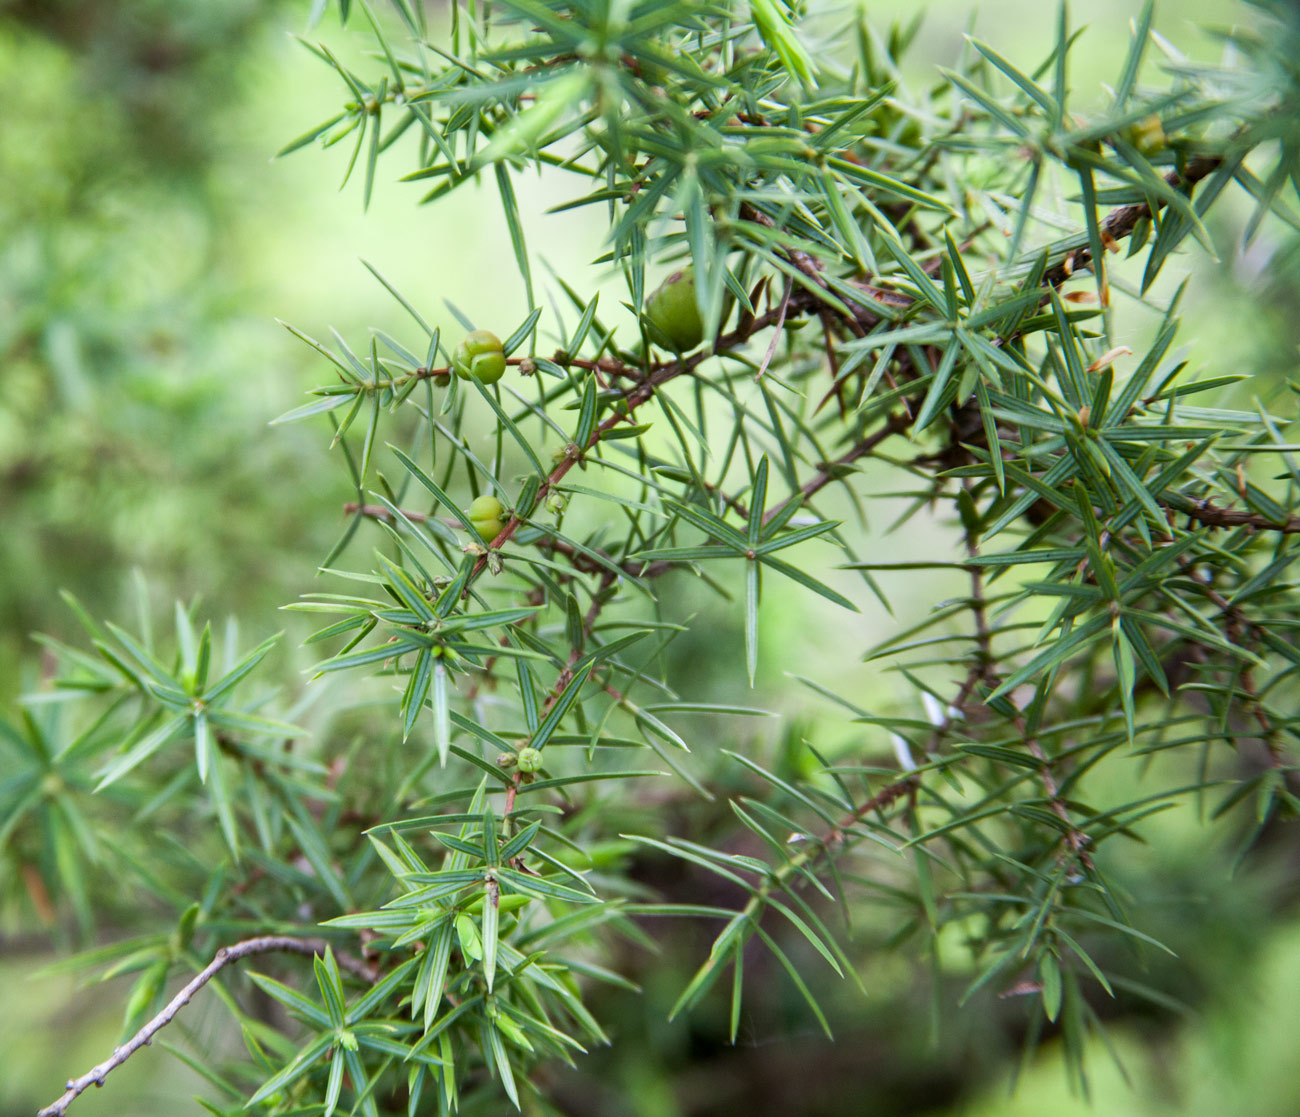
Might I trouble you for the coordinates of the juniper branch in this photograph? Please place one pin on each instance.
(227, 954)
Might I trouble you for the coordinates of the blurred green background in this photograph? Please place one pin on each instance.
(148, 241)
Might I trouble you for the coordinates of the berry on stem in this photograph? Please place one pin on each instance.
(1147, 135)
(480, 356)
(672, 316)
(487, 515)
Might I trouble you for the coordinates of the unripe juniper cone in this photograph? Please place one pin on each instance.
(479, 356)
(1147, 135)
(672, 315)
(488, 517)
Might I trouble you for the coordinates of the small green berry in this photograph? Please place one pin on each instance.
(1148, 135)
(488, 517)
(479, 356)
(672, 315)
(530, 760)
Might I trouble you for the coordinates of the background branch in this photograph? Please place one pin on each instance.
(264, 945)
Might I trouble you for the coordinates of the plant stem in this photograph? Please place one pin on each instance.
(227, 954)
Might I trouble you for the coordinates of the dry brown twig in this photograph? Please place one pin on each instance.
(266, 944)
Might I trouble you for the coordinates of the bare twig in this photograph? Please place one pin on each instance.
(885, 797)
(782, 310)
(227, 954)
(983, 665)
(1212, 515)
(1120, 222)
(826, 474)
(806, 263)
(1075, 838)
(1238, 627)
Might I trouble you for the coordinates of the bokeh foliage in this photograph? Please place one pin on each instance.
(133, 402)
(897, 285)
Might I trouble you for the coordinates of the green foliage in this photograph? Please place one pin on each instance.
(127, 409)
(924, 282)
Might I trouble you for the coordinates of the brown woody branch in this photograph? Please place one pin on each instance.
(827, 473)
(1075, 838)
(1118, 224)
(227, 954)
(599, 599)
(1121, 222)
(1212, 515)
(582, 562)
(885, 797)
(1238, 627)
(644, 389)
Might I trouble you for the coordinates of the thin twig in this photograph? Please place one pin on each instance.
(227, 954)
(1121, 222)
(1238, 627)
(1075, 838)
(581, 562)
(909, 784)
(633, 397)
(781, 312)
(805, 262)
(883, 798)
(826, 474)
(983, 636)
(1212, 515)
